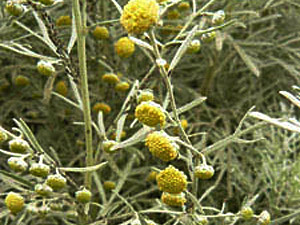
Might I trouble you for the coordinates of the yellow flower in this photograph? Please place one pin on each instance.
(61, 88)
(173, 199)
(110, 78)
(247, 213)
(144, 96)
(124, 47)
(171, 180)
(150, 114)
(21, 81)
(101, 33)
(139, 15)
(63, 21)
(161, 146)
(14, 202)
(101, 107)
(204, 171)
(122, 86)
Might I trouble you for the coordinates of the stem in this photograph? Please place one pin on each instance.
(80, 22)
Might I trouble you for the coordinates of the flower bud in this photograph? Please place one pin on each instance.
(39, 170)
(110, 78)
(218, 18)
(17, 164)
(100, 106)
(247, 213)
(107, 145)
(144, 96)
(124, 47)
(43, 189)
(209, 37)
(61, 88)
(14, 202)
(264, 218)
(122, 86)
(45, 68)
(183, 6)
(173, 199)
(21, 81)
(56, 181)
(13, 8)
(46, 2)
(18, 145)
(83, 196)
(194, 47)
(63, 21)
(204, 171)
(101, 33)
(109, 185)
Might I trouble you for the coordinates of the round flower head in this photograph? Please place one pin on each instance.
(204, 171)
(171, 180)
(109, 185)
(3, 136)
(173, 199)
(101, 33)
(18, 145)
(61, 88)
(124, 47)
(150, 114)
(101, 107)
(247, 213)
(183, 6)
(39, 170)
(56, 182)
(122, 86)
(139, 15)
(45, 68)
(14, 202)
(144, 96)
(17, 164)
(46, 2)
(83, 196)
(43, 189)
(13, 8)
(110, 78)
(63, 21)
(21, 81)
(264, 218)
(161, 146)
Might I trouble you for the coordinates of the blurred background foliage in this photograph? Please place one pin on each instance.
(246, 65)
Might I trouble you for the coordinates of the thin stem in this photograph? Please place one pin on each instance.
(80, 22)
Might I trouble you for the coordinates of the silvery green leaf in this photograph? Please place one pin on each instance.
(182, 49)
(82, 169)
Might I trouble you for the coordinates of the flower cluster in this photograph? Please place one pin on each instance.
(150, 114)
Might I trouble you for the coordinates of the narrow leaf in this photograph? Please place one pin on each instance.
(82, 169)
